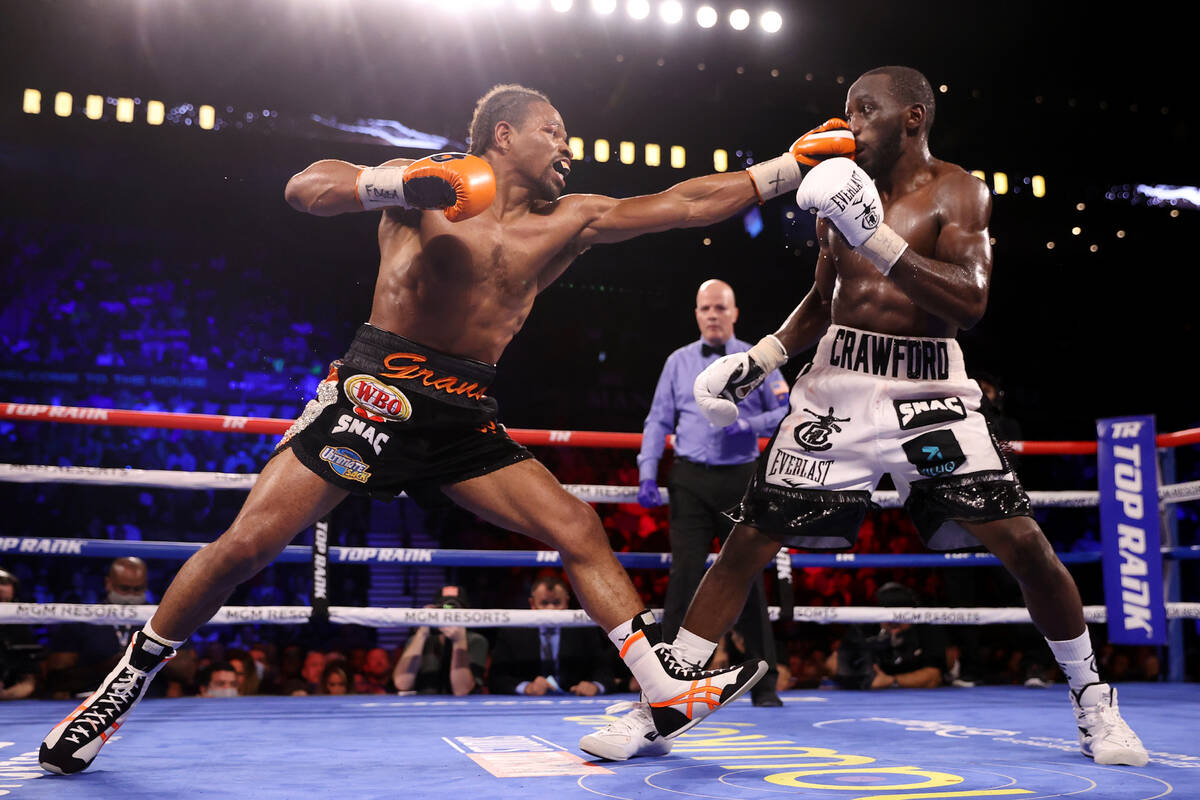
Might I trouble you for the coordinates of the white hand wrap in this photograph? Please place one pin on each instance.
(883, 249)
(381, 187)
(775, 177)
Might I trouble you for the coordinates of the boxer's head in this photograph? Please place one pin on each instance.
(890, 110)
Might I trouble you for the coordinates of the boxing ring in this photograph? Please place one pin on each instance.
(987, 741)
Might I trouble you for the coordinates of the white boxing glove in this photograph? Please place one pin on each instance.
(728, 380)
(840, 191)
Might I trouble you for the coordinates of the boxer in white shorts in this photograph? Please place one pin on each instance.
(869, 404)
(888, 393)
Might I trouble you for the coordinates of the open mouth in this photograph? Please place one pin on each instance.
(562, 167)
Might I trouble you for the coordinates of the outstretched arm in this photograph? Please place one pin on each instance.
(693, 203)
(328, 187)
(711, 198)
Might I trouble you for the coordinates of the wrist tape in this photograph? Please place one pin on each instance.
(775, 177)
(769, 353)
(883, 249)
(380, 187)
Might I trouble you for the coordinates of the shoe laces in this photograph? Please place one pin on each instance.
(633, 717)
(675, 664)
(112, 702)
(1115, 728)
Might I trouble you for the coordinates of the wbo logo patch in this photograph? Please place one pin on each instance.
(375, 400)
(346, 463)
(935, 453)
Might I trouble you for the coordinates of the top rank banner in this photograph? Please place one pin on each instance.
(1129, 531)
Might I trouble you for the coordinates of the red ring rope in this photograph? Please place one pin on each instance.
(77, 415)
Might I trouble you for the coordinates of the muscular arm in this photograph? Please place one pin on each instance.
(326, 188)
(953, 284)
(690, 204)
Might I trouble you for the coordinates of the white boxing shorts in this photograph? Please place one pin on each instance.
(871, 404)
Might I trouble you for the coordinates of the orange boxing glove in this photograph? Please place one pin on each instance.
(830, 139)
(461, 184)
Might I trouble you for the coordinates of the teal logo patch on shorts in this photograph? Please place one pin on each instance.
(935, 453)
(346, 463)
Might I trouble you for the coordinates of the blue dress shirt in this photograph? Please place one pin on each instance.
(674, 410)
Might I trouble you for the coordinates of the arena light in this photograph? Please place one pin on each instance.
(124, 109)
(604, 7)
(576, 145)
(771, 21)
(31, 103)
(1000, 183)
(63, 102)
(600, 150)
(93, 106)
(678, 157)
(739, 19)
(628, 152)
(720, 160)
(638, 9)
(155, 112)
(653, 155)
(561, 6)
(671, 12)
(706, 16)
(207, 117)
(978, 173)
(1039, 186)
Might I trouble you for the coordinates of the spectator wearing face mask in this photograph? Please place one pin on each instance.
(218, 680)
(81, 654)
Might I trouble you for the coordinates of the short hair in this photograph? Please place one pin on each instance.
(551, 582)
(910, 87)
(204, 678)
(505, 102)
(127, 562)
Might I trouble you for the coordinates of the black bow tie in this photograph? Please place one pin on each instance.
(707, 349)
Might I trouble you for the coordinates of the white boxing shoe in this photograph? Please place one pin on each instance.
(1103, 735)
(633, 734)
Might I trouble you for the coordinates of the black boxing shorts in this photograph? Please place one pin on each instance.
(395, 416)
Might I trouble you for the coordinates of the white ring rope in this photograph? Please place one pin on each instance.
(589, 493)
(105, 614)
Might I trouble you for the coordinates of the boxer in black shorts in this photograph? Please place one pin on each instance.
(466, 242)
(394, 416)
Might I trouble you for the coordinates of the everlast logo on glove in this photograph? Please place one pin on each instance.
(919, 413)
(935, 453)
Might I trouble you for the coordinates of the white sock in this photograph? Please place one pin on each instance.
(692, 649)
(1077, 660)
(149, 631)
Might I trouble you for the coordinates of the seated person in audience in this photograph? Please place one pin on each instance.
(81, 654)
(218, 680)
(899, 655)
(336, 679)
(551, 659)
(314, 665)
(376, 674)
(247, 673)
(451, 660)
(20, 654)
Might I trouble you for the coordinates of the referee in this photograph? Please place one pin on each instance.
(711, 469)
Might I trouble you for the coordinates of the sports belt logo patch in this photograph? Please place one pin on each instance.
(919, 413)
(375, 400)
(935, 453)
(813, 435)
(346, 463)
